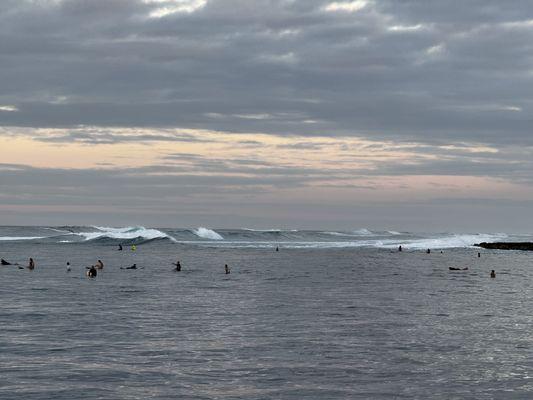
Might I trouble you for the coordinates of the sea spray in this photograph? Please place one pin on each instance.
(206, 233)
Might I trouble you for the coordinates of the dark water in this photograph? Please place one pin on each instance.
(349, 323)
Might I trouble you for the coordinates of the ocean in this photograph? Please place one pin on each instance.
(331, 315)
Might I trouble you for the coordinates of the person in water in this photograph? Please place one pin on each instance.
(400, 248)
(4, 262)
(31, 265)
(277, 248)
(134, 266)
(428, 251)
(133, 247)
(91, 272)
(226, 269)
(119, 247)
(178, 266)
(99, 264)
(492, 274)
(68, 266)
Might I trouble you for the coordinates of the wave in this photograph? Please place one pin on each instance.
(206, 233)
(269, 230)
(447, 242)
(362, 232)
(127, 233)
(394, 233)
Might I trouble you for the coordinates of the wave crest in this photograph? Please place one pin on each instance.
(206, 233)
(126, 233)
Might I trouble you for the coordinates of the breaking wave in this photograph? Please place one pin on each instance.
(448, 241)
(253, 238)
(127, 233)
(206, 233)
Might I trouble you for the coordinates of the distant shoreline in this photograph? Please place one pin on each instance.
(526, 246)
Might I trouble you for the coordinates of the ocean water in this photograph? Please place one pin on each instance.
(331, 315)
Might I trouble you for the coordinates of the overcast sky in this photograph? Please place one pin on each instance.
(405, 115)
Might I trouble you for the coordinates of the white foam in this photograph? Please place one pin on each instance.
(206, 233)
(447, 242)
(340, 234)
(363, 232)
(130, 232)
(394, 233)
(13, 238)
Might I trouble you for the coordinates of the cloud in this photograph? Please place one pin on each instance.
(381, 88)
(347, 6)
(168, 7)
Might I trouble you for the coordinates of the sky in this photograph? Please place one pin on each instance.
(379, 114)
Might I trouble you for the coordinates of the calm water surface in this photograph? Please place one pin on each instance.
(296, 324)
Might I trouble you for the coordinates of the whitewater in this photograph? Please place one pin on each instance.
(251, 238)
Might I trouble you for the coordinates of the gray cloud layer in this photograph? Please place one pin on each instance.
(422, 73)
(417, 70)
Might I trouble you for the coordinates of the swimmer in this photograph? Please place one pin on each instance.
(492, 274)
(68, 266)
(31, 265)
(226, 268)
(4, 262)
(91, 272)
(99, 264)
(178, 266)
(400, 248)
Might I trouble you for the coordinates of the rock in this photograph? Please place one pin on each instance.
(528, 246)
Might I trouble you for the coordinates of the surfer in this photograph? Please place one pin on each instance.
(400, 248)
(68, 266)
(478, 255)
(226, 268)
(4, 262)
(134, 266)
(458, 269)
(119, 247)
(178, 266)
(91, 272)
(428, 251)
(99, 264)
(492, 274)
(31, 265)
(277, 248)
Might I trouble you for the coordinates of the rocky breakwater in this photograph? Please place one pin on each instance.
(507, 245)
